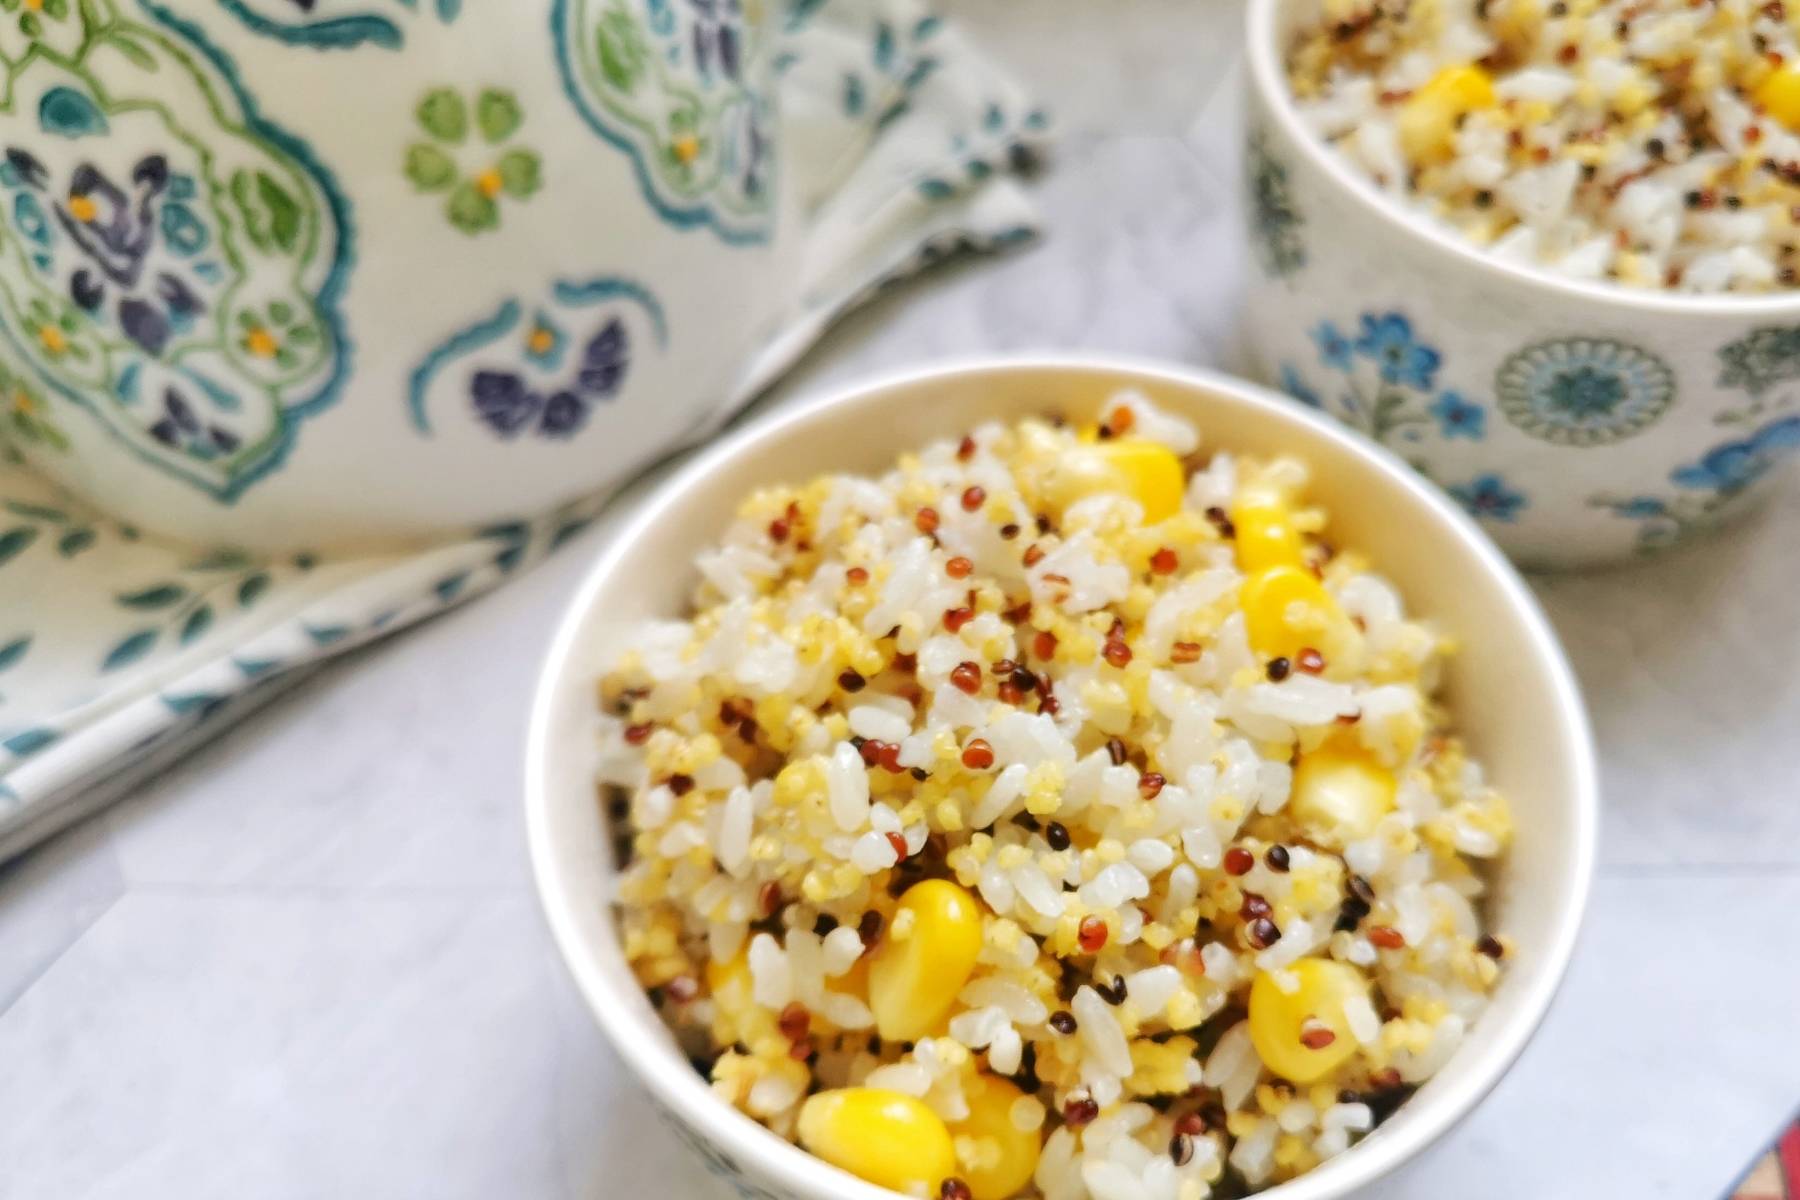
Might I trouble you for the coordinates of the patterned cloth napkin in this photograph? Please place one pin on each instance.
(117, 651)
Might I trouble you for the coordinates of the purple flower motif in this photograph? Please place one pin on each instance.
(508, 404)
(503, 401)
(1488, 498)
(605, 360)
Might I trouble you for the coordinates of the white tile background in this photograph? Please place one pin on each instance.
(307, 962)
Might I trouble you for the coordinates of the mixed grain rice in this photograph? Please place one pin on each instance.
(1646, 142)
(1115, 792)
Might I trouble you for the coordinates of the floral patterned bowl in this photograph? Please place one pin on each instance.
(330, 271)
(1513, 692)
(1579, 423)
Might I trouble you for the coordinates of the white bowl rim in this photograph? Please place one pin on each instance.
(1270, 83)
(799, 1171)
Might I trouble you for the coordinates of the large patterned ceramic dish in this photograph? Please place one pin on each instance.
(1507, 686)
(1579, 422)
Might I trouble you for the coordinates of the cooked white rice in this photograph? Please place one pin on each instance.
(1136, 799)
(1647, 142)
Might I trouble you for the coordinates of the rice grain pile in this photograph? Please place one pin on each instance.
(1647, 142)
(1047, 818)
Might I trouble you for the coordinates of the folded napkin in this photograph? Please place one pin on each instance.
(118, 650)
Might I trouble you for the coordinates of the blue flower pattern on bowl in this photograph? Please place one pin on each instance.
(1457, 418)
(1489, 498)
(1584, 391)
(1709, 486)
(1388, 388)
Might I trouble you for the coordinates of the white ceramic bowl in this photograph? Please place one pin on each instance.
(1512, 691)
(1589, 421)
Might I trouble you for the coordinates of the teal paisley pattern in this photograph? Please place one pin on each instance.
(1584, 391)
(681, 87)
(541, 370)
(334, 24)
(170, 262)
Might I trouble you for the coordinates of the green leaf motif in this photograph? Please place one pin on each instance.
(129, 650)
(252, 589)
(36, 512)
(622, 50)
(271, 215)
(196, 625)
(13, 651)
(14, 541)
(498, 115)
(470, 210)
(443, 115)
(28, 742)
(74, 542)
(283, 210)
(520, 173)
(224, 559)
(160, 596)
(430, 169)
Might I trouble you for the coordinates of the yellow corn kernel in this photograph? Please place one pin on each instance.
(1005, 1156)
(1287, 610)
(924, 961)
(1779, 95)
(1146, 471)
(1266, 536)
(1282, 1023)
(1428, 118)
(1340, 794)
(887, 1138)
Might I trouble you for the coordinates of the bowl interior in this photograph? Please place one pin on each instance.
(1511, 690)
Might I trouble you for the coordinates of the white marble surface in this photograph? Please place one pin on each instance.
(307, 962)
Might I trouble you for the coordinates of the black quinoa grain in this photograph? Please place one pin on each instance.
(1057, 834)
(824, 925)
(852, 681)
(1263, 933)
(1115, 750)
(1359, 887)
(1063, 1022)
(1278, 669)
(1113, 993)
(921, 774)
(1278, 858)
(1490, 946)
(1181, 1149)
